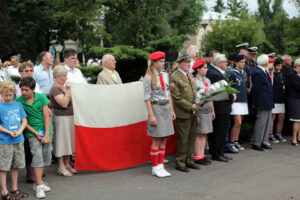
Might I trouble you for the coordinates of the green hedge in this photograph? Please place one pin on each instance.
(91, 73)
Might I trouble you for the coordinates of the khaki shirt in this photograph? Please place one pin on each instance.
(183, 94)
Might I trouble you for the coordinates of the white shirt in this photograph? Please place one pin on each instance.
(12, 71)
(191, 67)
(75, 75)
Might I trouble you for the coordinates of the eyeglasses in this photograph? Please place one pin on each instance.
(28, 71)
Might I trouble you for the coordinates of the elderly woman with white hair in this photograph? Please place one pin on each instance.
(294, 101)
(63, 121)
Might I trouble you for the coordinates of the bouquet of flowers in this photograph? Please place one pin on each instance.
(216, 92)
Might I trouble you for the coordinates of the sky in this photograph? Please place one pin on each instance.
(252, 4)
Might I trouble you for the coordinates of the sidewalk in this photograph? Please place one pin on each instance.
(272, 174)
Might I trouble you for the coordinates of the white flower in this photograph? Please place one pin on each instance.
(217, 85)
(224, 82)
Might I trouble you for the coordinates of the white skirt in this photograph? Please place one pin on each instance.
(239, 109)
(279, 108)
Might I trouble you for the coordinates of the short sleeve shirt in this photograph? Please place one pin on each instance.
(44, 78)
(11, 116)
(156, 94)
(57, 109)
(34, 112)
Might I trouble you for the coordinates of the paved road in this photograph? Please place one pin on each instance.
(269, 175)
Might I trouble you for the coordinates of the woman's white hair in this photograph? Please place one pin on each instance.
(59, 70)
(297, 62)
(262, 59)
(219, 58)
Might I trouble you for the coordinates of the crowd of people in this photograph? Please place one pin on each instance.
(36, 114)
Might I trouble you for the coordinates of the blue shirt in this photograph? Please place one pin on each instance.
(11, 116)
(44, 78)
(240, 80)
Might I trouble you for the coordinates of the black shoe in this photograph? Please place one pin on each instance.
(183, 169)
(227, 157)
(266, 146)
(220, 158)
(203, 161)
(194, 166)
(258, 148)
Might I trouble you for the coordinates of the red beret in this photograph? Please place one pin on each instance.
(271, 60)
(157, 55)
(199, 63)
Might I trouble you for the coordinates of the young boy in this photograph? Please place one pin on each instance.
(39, 132)
(12, 123)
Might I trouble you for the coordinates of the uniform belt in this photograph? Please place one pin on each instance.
(161, 103)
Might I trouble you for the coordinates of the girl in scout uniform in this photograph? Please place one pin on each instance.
(278, 91)
(160, 110)
(205, 115)
(240, 107)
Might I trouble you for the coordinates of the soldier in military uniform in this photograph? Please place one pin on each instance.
(183, 92)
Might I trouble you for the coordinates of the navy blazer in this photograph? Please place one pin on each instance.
(221, 107)
(262, 90)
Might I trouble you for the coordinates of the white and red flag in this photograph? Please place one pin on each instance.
(111, 126)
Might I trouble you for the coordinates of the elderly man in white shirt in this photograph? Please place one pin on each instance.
(70, 60)
(193, 52)
(15, 64)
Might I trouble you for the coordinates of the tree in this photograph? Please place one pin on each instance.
(275, 20)
(79, 20)
(219, 7)
(10, 43)
(229, 33)
(292, 39)
(137, 22)
(237, 7)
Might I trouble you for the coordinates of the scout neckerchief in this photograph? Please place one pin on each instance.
(162, 82)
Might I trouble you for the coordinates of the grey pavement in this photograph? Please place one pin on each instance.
(269, 175)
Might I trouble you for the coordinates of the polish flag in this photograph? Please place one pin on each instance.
(111, 126)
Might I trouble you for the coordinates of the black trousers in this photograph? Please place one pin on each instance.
(220, 125)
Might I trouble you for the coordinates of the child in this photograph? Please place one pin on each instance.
(12, 123)
(160, 110)
(39, 132)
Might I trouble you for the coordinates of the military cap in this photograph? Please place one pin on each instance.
(199, 63)
(272, 55)
(242, 46)
(252, 50)
(157, 55)
(184, 58)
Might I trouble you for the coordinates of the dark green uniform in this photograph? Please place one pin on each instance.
(183, 94)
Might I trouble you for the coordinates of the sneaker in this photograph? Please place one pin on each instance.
(158, 173)
(232, 149)
(164, 171)
(273, 139)
(40, 193)
(280, 138)
(45, 185)
(238, 146)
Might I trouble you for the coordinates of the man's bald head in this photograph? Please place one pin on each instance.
(109, 61)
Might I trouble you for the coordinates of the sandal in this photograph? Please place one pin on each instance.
(10, 196)
(19, 193)
(296, 144)
(64, 172)
(72, 170)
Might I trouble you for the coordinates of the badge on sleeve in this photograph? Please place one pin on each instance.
(147, 89)
(172, 85)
